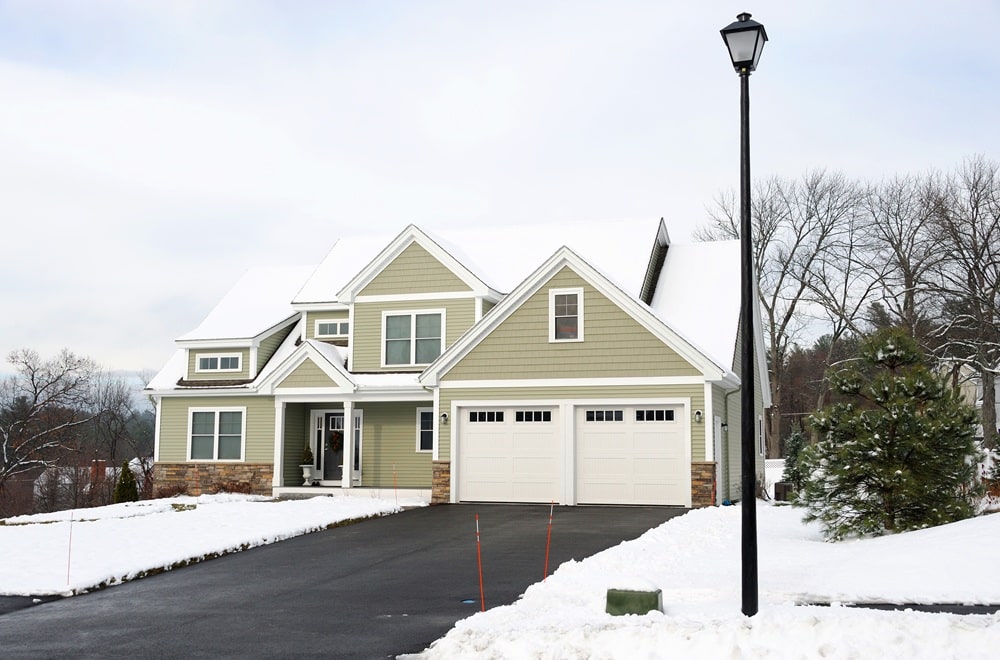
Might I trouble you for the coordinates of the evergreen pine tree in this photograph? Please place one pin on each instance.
(126, 490)
(896, 452)
(793, 456)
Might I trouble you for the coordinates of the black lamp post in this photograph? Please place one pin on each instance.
(745, 39)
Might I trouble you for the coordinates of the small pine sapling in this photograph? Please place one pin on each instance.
(126, 490)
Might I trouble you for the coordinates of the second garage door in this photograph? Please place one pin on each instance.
(632, 455)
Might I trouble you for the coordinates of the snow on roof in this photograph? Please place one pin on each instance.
(504, 256)
(698, 295)
(259, 301)
(175, 369)
(347, 257)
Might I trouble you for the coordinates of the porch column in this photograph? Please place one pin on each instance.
(279, 442)
(347, 472)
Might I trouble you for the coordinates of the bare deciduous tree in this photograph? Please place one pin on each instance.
(42, 409)
(967, 224)
(794, 222)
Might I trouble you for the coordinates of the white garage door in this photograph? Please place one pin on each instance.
(632, 455)
(509, 455)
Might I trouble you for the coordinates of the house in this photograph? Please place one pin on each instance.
(574, 364)
(89, 484)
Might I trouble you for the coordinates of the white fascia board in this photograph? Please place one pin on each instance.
(416, 297)
(235, 390)
(761, 358)
(411, 234)
(235, 342)
(330, 306)
(657, 381)
(294, 318)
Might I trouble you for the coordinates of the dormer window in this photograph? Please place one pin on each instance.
(219, 362)
(332, 329)
(565, 315)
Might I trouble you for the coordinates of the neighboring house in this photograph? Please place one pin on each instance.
(472, 365)
(59, 488)
(970, 385)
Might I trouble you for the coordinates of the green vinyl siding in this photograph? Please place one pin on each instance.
(614, 345)
(415, 270)
(307, 374)
(569, 394)
(389, 444)
(270, 345)
(367, 351)
(312, 317)
(242, 374)
(175, 411)
(296, 431)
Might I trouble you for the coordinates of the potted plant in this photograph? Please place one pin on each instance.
(307, 466)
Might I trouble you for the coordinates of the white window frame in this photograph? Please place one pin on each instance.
(578, 292)
(318, 335)
(219, 356)
(215, 443)
(413, 313)
(423, 411)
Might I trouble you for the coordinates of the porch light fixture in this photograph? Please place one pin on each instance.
(698, 416)
(745, 40)
(444, 418)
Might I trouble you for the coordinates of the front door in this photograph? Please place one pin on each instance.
(328, 446)
(333, 447)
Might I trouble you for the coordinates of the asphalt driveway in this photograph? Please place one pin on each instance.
(369, 590)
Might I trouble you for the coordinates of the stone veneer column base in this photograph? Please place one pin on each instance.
(441, 482)
(703, 484)
(202, 478)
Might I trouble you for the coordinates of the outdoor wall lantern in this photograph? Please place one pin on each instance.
(444, 418)
(698, 416)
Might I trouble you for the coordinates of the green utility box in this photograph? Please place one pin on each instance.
(625, 601)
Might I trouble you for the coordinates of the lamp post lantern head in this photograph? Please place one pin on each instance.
(745, 39)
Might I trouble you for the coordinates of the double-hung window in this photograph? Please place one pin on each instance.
(216, 434)
(412, 338)
(566, 315)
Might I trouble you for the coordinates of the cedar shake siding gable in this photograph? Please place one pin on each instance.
(414, 271)
(307, 374)
(615, 344)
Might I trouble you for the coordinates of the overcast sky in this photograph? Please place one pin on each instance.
(151, 152)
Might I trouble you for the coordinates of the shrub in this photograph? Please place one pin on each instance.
(126, 490)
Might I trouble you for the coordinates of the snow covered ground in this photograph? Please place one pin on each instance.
(693, 559)
(48, 554)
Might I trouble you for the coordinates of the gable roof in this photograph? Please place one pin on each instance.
(564, 256)
(257, 303)
(491, 260)
(410, 235)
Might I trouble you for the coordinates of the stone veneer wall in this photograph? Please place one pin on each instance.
(201, 478)
(441, 482)
(702, 484)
